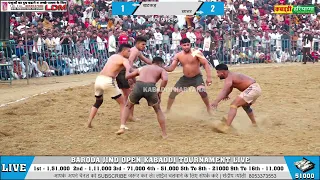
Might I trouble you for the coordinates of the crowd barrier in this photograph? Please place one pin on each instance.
(23, 62)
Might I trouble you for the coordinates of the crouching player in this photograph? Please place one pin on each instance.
(146, 88)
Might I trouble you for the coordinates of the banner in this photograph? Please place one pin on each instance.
(290, 9)
(34, 6)
(167, 8)
(159, 167)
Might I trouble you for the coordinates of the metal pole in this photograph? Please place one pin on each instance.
(27, 54)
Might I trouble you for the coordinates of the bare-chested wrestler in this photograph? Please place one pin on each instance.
(146, 88)
(105, 82)
(250, 91)
(123, 83)
(190, 61)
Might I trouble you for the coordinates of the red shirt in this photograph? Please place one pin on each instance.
(86, 24)
(261, 10)
(264, 27)
(71, 18)
(183, 35)
(123, 39)
(240, 16)
(198, 37)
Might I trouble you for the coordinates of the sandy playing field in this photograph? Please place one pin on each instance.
(53, 123)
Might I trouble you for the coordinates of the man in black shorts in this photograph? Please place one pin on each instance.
(135, 53)
(190, 60)
(146, 88)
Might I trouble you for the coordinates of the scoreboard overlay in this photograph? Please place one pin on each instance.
(159, 167)
(167, 8)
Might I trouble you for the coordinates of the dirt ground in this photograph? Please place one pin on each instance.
(53, 123)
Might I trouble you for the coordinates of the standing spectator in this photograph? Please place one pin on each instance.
(191, 36)
(176, 37)
(158, 38)
(111, 44)
(123, 38)
(199, 37)
(207, 44)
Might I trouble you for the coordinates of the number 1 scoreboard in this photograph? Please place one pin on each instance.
(167, 8)
(159, 167)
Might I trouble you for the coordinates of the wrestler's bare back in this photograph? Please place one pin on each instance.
(239, 81)
(190, 64)
(151, 73)
(113, 66)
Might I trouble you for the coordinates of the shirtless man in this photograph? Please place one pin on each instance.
(250, 91)
(190, 61)
(122, 82)
(105, 82)
(146, 88)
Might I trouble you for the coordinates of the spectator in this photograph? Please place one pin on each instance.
(43, 67)
(158, 38)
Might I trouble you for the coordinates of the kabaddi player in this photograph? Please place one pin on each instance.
(135, 53)
(105, 82)
(146, 88)
(250, 91)
(190, 61)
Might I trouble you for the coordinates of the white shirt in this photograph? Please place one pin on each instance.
(141, 20)
(176, 37)
(206, 43)
(246, 18)
(242, 7)
(101, 44)
(192, 37)
(38, 44)
(112, 44)
(158, 37)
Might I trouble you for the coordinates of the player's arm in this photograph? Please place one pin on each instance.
(132, 57)
(173, 65)
(133, 74)
(144, 59)
(206, 66)
(227, 89)
(130, 73)
(164, 78)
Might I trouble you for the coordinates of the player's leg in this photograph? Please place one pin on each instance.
(238, 102)
(249, 111)
(94, 110)
(201, 89)
(177, 89)
(202, 92)
(121, 101)
(134, 98)
(161, 120)
(126, 92)
(125, 116)
(154, 101)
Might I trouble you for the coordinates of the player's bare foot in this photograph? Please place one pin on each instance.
(210, 112)
(88, 125)
(120, 131)
(164, 136)
(133, 119)
(254, 125)
(167, 111)
(222, 128)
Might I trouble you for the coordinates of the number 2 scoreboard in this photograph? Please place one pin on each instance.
(159, 167)
(167, 8)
